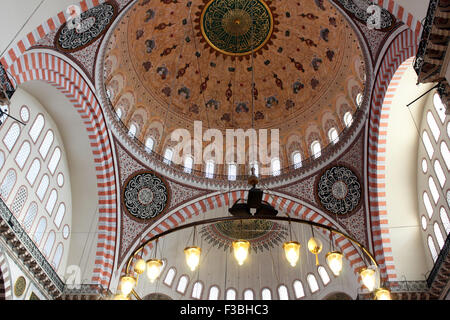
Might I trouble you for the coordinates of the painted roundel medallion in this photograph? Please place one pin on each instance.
(339, 190)
(145, 195)
(91, 24)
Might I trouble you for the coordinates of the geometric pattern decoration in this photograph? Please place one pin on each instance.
(93, 24)
(6, 292)
(339, 190)
(145, 195)
(261, 234)
(236, 27)
(387, 20)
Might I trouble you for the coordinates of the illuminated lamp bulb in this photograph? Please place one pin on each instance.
(382, 294)
(154, 268)
(334, 260)
(121, 297)
(315, 247)
(140, 266)
(368, 278)
(241, 248)
(292, 252)
(192, 257)
(127, 285)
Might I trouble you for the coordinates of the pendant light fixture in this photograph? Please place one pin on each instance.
(192, 254)
(292, 249)
(334, 258)
(368, 278)
(154, 266)
(315, 246)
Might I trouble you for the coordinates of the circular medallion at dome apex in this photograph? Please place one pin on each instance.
(164, 76)
(262, 234)
(145, 195)
(339, 190)
(92, 24)
(236, 27)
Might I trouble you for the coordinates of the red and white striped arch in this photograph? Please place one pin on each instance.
(397, 57)
(60, 74)
(281, 203)
(55, 22)
(7, 294)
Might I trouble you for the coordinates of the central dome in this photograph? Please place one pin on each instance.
(170, 63)
(236, 27)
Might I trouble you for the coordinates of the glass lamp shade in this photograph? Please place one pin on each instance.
(368, 278)
(292, 252)
(154, 268)
(127, 284)
(241, 248)
(192, 257)
(382, 294)
(334, 260)
(121, 297)
(315, 247)
(140, 266)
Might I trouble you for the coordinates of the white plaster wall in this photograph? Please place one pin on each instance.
(401, 179)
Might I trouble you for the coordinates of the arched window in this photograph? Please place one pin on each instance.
(312, 282)
(316, 149)
(11, 136)
(60, 215)
(445, 154)
(49, 244)
(213, 293)
(439, 173)
(168, 156)
(424, 166)
(19, 201)
(438, 234)
(119, 113)
(2, 159)
(298, 289)
(182, 284)
(283, 293)
(432, 248)
(51, 202)
(197, 290)
(54, 160)
(33, 171)
(43, 186)
(248, 294)
(428, 205)
(348, 119)
(37, 127)
(266, 294)
(333, 135)
(30, 216)
(188, 163)
(231, 294)
(57, 256)
(433, 189)
(168, 280)
(359, 99)
(149, 144)
(5, 110)
(297, 159)
(46, 144)
(439, 106)
(24, 114)
(23, 154)
(209, 169)
(276, 167)
(133, 130)
(433, 126)
(8, 183)
(232, 170)
(427, 143)
(323, 275)
(444, 219)
(40, 230)
(424, 223)
(255, 166)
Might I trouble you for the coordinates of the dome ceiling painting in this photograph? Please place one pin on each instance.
(171, 63)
